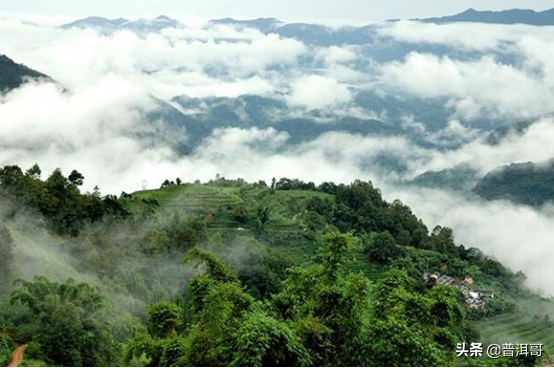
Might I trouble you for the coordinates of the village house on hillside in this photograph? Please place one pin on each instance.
(474, 298)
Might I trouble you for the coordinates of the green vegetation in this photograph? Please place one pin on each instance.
(12, 75)
(461, 178)
(528, 183)
(231, 273)
(322, 316)
(6, 258)
(5, 350)
(531, 321)
(63, 323)
(57, 198)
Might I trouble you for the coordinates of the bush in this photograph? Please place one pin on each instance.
(241, 214)
(383, 248)
(5, 350)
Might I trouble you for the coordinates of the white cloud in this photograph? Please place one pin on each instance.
(534, 145)
(337, 54)
(161, 63)
(318, 92)
(520, 237)
(468, 36)
(93, 127)
(478, 88)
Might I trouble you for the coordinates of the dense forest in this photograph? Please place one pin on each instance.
(526, 183)
(232, 273)
(13, 75)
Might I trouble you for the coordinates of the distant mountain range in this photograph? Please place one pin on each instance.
(266, 25)
(12, 74)
(514, 16)
(139, 26)
(313, 34)
(307, 33)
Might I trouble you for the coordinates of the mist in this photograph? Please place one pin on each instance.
(96, 118)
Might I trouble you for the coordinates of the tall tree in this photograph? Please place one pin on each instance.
(6, 258)
(69, 328)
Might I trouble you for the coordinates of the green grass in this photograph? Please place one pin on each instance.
(286, 232)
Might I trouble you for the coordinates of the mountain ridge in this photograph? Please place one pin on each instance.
(13, 75)
(511, 16)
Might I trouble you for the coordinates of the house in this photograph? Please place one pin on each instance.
(485, 295)
(474, 298)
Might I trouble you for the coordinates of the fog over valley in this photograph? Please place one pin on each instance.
(452, 116)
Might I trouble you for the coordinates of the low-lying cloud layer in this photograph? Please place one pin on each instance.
(99, 120)
(520, 237)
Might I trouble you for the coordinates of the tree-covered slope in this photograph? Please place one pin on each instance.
(12, 75)
(526, 183)
(290, 273)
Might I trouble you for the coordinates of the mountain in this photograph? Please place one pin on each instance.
(460, 179)
(525, 183)
(326, 36)
(265, 25)
(97, 23)
(108, 26)
(12, 75)
(277, 264)
(313, 34)
(201, 116)
(514, 16)
(145, 26)
(317, 34)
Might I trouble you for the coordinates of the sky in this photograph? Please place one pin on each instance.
(354, 10)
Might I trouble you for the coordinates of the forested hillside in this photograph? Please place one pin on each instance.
(232, 273)
(528, 183)
(12, 75)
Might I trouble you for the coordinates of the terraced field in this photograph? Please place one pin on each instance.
(286, 231)
(525, 326)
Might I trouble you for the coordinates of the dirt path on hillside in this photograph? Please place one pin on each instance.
(17, 356)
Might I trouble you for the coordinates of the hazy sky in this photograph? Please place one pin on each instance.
(356, 10)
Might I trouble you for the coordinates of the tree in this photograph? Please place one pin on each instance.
(263, 215)
(34, 172)
(264, 341)
(383, 248)
(241, 214)
(68, 326)
(164, 319)
(62, 336)
(323, 315)
(76, 178)
(328, 305)
(413, 326)
(11, 176)
(6, 258)
(5, 349)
